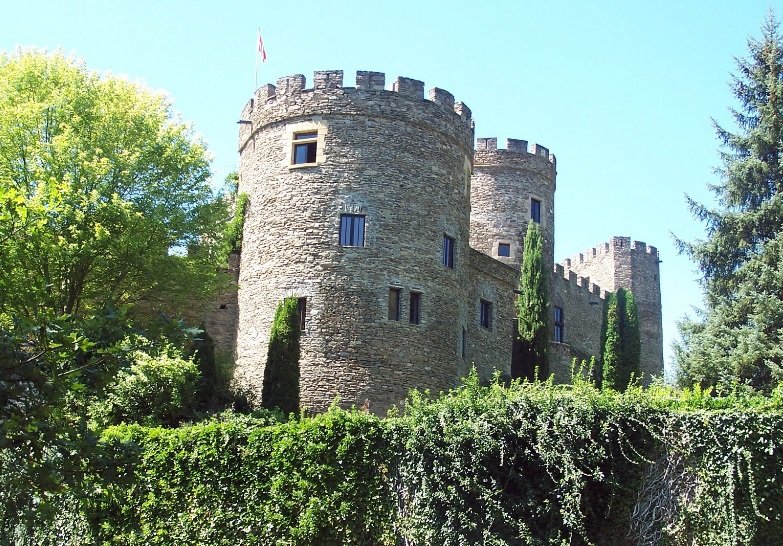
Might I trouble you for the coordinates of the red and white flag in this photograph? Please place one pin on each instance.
(260, 54)
(261, 50)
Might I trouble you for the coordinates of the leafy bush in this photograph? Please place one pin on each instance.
(155, 390)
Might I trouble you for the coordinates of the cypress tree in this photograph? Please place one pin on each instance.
(532, 302)
(610, 359)
(281, 374)
(621, 343)
(630, 340)
(739, 335)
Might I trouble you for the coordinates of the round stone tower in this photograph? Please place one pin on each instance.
(359, 206)
(509, 188)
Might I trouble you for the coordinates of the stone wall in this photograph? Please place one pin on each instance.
(222, 315)
(633, 265)
(406, 164)
(583, 304)
(489, 349)
(394, 157)
(503, 183)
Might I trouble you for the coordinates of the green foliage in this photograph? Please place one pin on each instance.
(155, 390)
(281, 373)
(610, 358)
(621, 341)
(235, 226)
(631, 340)
(318, 481)
(528, 464)
(231, 182)
(532, 303)
(99, 184)
(216, 369)
(739, 337)
(101, 193)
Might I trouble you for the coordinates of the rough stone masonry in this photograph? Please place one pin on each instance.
(403, 244)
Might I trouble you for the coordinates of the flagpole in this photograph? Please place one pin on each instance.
(260, 52)
(258, 39)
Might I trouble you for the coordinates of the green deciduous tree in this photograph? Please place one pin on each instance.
(103, 183)
(281, 374)
(739, 336)
(104, 203)
(533, 302)
(99, 185)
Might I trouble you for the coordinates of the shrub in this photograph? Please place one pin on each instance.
(155, 390)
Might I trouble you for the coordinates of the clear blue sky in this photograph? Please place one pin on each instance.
(621, 91)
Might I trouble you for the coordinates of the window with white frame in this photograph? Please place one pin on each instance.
(305, 148)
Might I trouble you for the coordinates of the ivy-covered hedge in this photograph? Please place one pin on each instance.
(320, 480)
(530, 464)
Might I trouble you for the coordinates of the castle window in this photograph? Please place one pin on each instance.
(485, 314)
(559, 324)
(394, 304)
(301, 310)
(504, 249)
(464, 342)
(305, 147)
(351, 230)
(535, 210)
(448, 251)
(415, 308)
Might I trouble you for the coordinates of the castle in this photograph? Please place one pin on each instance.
(403, 244)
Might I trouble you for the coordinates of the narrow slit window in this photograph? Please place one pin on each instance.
(485, 314)
(559, 325)
(352, 230)
(394, 304)
(448, 251)
(464, 342)
(415, 308)
(535, 210)
(305, 148)
(301, 309)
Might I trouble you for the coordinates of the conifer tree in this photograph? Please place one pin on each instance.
(610, 359)
(281, 374)
(532, 301)
(739, 336)
(630, 339)
(621, 343)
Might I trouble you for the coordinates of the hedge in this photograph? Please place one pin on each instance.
(528, 464)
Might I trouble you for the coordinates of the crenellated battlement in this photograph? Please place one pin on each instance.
(637, 248)
(642, 247)
(591, 253)
(578, 282)
(615, 244)
(516, 153)
(294, 86)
